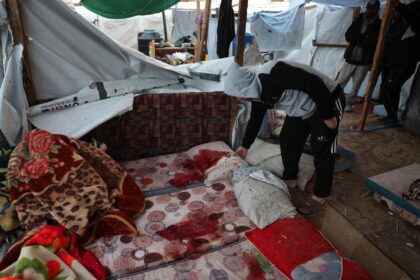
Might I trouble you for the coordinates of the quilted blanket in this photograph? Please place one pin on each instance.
(58, 179)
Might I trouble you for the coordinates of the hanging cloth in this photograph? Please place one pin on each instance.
(225, 28)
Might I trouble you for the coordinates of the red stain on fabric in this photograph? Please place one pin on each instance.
(193, 170)
(207, 158)
(183, 179)
(196, 235)
(255, 270)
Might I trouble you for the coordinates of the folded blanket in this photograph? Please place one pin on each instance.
(55, 178)
(8, 218)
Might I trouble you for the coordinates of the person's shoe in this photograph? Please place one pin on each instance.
(310, 207)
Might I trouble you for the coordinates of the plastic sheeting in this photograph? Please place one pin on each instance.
(327, 29)
(68, 53)
(344, 3)
(82, 119)
(127, 8)
(13, 121)
(279, 31)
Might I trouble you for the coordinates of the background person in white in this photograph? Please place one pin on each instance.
(362, 36)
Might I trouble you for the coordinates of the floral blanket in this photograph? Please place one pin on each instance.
(53, 254)
(61, 180)
(8, 218)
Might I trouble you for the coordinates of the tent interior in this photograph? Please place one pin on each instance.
(76, 73)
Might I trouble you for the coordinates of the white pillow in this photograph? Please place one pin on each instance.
(263, 198)
(306, 168)
(224, 169)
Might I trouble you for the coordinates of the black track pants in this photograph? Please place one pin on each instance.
(323, 142)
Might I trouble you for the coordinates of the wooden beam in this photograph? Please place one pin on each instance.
(204, 30)
(198, 31)
(240, 37)
(165, 29)
(19, 37)
(386, 20)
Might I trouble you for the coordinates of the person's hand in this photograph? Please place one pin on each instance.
(242, 152)
(331, 123)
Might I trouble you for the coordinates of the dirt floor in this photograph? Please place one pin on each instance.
(365, 230)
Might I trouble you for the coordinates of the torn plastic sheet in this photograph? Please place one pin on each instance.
(102, 90)
(82, 119)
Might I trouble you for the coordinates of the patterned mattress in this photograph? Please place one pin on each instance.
(176, 226)
(237, 261)
(167, 173)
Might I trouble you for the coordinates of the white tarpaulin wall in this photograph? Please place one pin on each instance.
(328, 60)
(13, 103)
(68, 53)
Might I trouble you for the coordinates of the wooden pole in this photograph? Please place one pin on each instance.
(386, 20)
(240, 37)
(204, 30)
(198, 31)
(165, 30)
(16, 26)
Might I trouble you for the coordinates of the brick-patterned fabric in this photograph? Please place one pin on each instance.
(166, 123)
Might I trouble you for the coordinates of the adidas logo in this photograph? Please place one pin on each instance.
(321, 138)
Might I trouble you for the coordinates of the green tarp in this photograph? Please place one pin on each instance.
(118, 9)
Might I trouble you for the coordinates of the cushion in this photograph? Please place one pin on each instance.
(263, 197)
(268, 156)
(306, 168)
(224, 169)
(299, 251)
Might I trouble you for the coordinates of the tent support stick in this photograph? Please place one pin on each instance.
(386, 20)
(198, 31)
(239, 58)
(16, 26)
(204, 30)
(165, 30)
(243, 7)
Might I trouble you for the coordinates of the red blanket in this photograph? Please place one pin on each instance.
(61, 180)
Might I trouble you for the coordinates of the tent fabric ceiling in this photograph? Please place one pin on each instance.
(127, 8)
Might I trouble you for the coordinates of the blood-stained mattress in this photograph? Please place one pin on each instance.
(174, 227)
(166, 173)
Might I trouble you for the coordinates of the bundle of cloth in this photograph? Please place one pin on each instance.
(58, 180)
